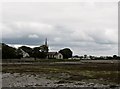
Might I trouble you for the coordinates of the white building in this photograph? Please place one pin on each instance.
(54, 55)
(25, 54)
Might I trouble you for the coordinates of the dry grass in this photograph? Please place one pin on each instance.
(102, 72)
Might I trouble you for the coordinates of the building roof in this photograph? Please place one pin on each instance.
(52, 53)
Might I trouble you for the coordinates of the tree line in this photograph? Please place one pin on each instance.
(9, 52)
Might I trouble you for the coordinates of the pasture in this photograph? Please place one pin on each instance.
(103, 72)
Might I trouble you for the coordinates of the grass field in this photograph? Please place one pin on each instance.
(105, 73)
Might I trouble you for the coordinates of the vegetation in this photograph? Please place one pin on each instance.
(93, 72)
(41, 53)
(104, 73)
(66, 52)
(12, 53)
(26, 49)
(8, 52)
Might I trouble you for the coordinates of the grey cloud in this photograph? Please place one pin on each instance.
(24, 41)
(83, 27)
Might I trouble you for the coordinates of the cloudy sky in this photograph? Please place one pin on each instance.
(84, 27)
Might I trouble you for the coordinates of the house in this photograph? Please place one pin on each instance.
(25, 54)
(54, 55)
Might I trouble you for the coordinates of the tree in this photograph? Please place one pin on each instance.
(115, 56)
(19, 53)
(81, 57)
(8, 52)
(91, 57)
(85, 56)
(66, 52)
(26, 49)
(40, 52)
(44, 48)
(36, 52)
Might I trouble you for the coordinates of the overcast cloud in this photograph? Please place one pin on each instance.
(86, 28)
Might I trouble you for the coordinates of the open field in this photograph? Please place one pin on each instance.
(32, 60)
(77, 73)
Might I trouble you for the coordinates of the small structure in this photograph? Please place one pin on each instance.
(25, 54)
(75, 57)
(54, 55)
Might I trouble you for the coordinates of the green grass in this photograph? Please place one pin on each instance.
(39, 60)
(104, 73)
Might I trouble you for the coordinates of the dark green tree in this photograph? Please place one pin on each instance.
(66, 52)
(26, 49)
(40, 52)
(115, 56)
(36, 52)
(44, 48)
(8, 52)
(19, 53)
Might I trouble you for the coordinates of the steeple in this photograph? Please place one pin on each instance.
(46, 42)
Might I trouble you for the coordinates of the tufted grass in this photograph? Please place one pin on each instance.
(100, 72)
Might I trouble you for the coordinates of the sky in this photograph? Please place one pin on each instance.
(85, 27)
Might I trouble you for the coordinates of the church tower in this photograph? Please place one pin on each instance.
(46, 42)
